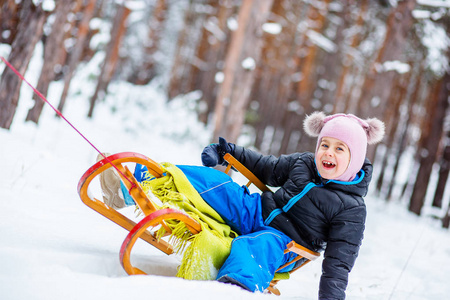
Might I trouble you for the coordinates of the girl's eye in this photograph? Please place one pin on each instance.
(340, 149)
(324, 146)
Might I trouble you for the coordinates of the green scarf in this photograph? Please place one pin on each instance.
(206, 251)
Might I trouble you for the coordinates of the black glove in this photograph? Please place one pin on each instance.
(212, 155)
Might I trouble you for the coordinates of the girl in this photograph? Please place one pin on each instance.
(319, 203)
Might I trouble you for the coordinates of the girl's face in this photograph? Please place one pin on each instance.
(332, 158)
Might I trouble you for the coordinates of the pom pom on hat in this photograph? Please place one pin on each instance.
(375, 131)
(314, 123)
(345, 128)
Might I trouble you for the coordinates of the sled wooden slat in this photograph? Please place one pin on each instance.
(302, 251)
(233, 162)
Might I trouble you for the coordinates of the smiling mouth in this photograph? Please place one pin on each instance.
(328, 164)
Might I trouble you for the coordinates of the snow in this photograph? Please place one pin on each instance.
(437, 43)
(212, 26)
(248, 63)
(434, 3)
(219, 77)
(54, 247)
(421, 14)
(321, 41)
(272, 28)
(135, 5)
(232, 24)
(395, 65)
(47, 5)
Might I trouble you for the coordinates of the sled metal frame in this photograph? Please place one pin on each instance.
(154, 217)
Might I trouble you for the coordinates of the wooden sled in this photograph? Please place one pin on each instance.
(154, 217)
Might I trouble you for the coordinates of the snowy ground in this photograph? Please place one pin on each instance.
(52, 246)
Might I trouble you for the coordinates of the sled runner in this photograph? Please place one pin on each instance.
(156, 218)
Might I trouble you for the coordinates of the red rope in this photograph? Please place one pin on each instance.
(64, 118)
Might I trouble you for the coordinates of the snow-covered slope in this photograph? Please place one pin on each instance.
(53, 247)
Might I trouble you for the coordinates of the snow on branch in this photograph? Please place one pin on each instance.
(321, 41)
(434, 3)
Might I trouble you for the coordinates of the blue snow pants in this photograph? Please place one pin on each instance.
(259, 250)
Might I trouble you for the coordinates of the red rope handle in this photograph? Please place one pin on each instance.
(64, 118)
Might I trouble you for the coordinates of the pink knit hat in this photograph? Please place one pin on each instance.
(350, 129)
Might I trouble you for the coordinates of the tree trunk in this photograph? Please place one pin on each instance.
(52, 50)
(444, 163)
(378, 82)
(333, 58)
(377, 87)
(308, 66)
(432, 133)
(405, 122)
(307, 63)
(179, 75)
(77, 51)
(112, 55)
(342, 95)
(444, 168)
(245, 48)
(392, 116)
(9, 20)
(212, 54)
(446, 219)
(29, 32)
(274, 84)
(200, 60)
(146, 70)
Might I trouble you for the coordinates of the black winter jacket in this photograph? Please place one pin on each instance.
(330, 216)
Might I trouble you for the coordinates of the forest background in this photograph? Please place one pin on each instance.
(257, 67)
